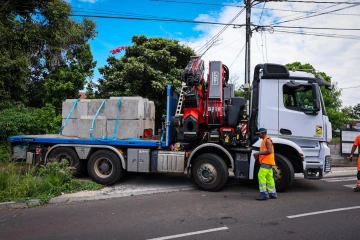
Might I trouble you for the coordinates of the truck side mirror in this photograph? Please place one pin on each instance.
(316, 97)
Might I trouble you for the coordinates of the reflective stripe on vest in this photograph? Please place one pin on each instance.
(266, 159)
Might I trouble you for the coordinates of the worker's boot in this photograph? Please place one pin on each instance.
(273, 195)
(357, 189)
(262, 197)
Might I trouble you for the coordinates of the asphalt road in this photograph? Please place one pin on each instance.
(229, 214)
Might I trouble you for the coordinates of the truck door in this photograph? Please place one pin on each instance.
(268, 106)
(297, 118)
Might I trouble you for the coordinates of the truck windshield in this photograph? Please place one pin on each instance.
(298, 98)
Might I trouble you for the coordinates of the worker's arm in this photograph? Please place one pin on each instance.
(352, 151)
(269, 148)
(355, 145)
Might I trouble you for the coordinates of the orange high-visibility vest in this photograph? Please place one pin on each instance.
(266, 159)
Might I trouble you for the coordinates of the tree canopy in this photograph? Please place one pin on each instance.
(45, 56)
(146, 68)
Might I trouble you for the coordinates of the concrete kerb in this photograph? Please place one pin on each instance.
(111, 193)
(14, 205)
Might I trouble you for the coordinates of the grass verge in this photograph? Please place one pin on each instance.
(335, 140)
(20, 183)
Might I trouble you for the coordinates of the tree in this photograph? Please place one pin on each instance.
(331, 98)
(45, 56)
(90, 94)
(355, 111)
(147, 67)
(238, 88)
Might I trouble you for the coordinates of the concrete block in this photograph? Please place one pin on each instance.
(126, 128)
(81, 108)
(94, 105)
(149, 123)
(149, 109)
(71, 128)
(131, 108)
(84, 125)
(129, 128)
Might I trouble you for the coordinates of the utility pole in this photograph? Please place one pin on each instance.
(248, 42)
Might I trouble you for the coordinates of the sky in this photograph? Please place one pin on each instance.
(337, 57)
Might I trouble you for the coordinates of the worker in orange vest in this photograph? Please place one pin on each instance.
(266, 159)
(356, 145)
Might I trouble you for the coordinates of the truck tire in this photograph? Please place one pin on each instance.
(283, 173)
(104, 167)
(68, 154)
(209, 172)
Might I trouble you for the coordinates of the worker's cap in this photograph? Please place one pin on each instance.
(261, 130)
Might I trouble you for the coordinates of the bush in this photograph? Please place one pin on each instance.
(40, 183)
(4, 151)
(20, 120)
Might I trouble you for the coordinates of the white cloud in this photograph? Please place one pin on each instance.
(338, 58)
(89, 1)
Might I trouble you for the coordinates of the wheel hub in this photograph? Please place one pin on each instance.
(64, 157)
(277, 173)
(103, 167)
(207, 173)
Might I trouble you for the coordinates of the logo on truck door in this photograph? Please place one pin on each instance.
(215, 78)
(318, 130)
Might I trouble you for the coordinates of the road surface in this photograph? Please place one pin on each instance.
(324, 209)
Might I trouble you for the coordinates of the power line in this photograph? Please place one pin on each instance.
(157, 19)
(233, 5)
(262, 47)
(298, 1)
(214, 38)
(288, 10)
(237, 55)
(319, 28)
(315, 15)
(351, 87)
(353, 37)
(267, 60)
(198, 3)
(262, 13)
(224, 47)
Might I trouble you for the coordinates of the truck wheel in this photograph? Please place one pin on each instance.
(104, 167)
(68, 154)
(283, 173)
(209, 172)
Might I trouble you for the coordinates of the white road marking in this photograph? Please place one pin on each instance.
(340, 179)
(190, 233)
(350, 186)
(321, 212)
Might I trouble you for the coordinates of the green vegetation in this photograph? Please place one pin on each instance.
(45, 55)
(335, 140)
(19, 183)
(146, 69)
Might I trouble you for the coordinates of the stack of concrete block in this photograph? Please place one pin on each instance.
(81, 109)
(134, 116)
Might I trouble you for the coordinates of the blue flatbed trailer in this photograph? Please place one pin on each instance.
(163, 142)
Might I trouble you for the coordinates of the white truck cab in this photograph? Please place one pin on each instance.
(291, 107)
